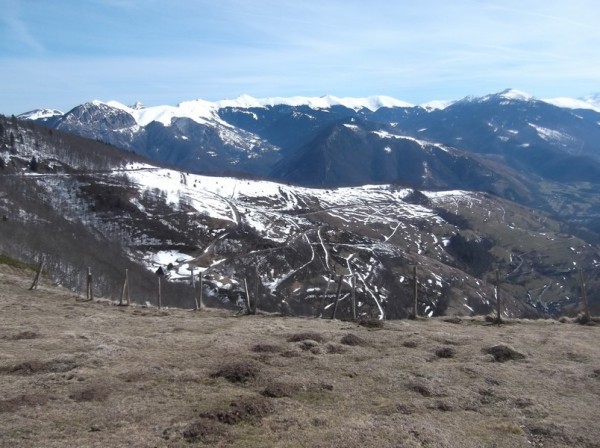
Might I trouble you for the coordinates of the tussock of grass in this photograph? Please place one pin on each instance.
(92, 392)
(34, 367)
(12, 404)
(352, 339)
(307, 336)
(445, 352)
(266, 348)
(23, 335)
(334, 349)
(238, 372)
(207, 431)
(371, 323)
(503, 353)
(279, 390)
(249, 409)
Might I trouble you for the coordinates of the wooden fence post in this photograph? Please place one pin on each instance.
(498, 304)
(337, 297)
(197, 307)
(415, 293)
(125, 291)
(201, 291)
(36, 279)
(586, 307)
(159, 298)
(247, 297)
(354, 296)
(255, 301)
(89, 289)
(323, 296)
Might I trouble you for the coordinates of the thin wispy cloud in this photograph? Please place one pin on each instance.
(161, 52)
(16, 30)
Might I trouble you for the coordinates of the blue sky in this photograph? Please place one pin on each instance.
(60, 53)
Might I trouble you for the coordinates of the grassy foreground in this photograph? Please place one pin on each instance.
(93, 374)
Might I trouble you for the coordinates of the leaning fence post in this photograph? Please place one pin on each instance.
(247, 297)
(36, 279)
(324, 296)
(125, 291)
(337, 297)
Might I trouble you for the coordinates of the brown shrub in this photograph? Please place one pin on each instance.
(237, 372)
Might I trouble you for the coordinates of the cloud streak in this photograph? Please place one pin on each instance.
(416, 51)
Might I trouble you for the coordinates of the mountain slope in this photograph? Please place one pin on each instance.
(84, 204)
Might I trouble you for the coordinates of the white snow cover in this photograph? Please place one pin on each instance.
(224, 198)
(198, 110)
(508, 94)
(203, 111)
(323, 102)
(39, 113)
(436, 105)
(514, 94)
(549, 134)
(573, 103)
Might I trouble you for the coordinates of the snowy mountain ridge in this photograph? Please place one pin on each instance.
(203, 111)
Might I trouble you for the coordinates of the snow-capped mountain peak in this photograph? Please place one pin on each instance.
(39, 114)
(137, 106)
(514, 94)
(436, 105)
(504, 95)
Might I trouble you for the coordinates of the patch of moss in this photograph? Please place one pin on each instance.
(8, 261)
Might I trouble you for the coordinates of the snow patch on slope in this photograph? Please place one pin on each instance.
(573, 103)
(39, 114)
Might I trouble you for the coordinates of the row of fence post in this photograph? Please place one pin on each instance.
(251, 305)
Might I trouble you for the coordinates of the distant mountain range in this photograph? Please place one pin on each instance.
(509, 143)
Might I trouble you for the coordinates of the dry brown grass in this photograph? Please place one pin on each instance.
(91, 374)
